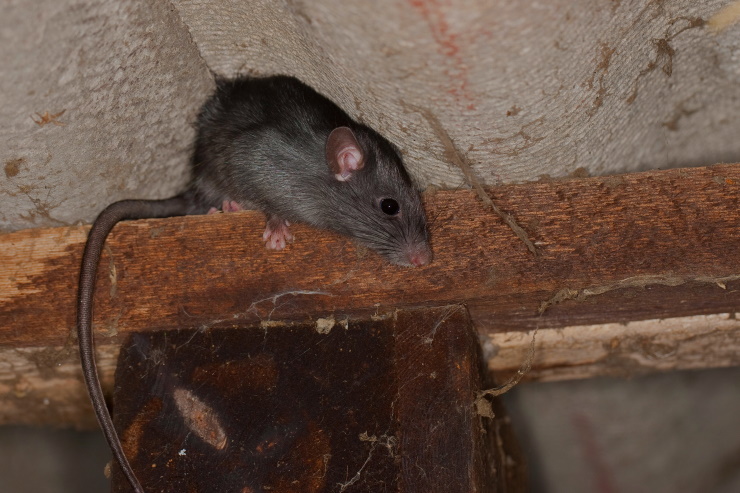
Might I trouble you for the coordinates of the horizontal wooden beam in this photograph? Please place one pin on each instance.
(43, 385)
(617, 349)
(610, 250)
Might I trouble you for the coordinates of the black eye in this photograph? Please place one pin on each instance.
(389, 206)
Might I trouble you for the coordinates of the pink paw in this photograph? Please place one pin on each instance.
(231, 206)
(277, 234)
(226, 206)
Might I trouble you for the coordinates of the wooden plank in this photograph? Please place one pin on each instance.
(370, 405)
(618, 349)
(610, 249)
(43, 386)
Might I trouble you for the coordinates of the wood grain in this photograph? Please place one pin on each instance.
(43, 385)
(367, 406)
(615, 256)
(634, 273)
(613, 249)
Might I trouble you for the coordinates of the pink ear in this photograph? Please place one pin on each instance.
(343, 153)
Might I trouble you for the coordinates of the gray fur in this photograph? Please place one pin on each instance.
(261, 143)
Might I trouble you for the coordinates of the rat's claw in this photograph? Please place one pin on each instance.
(277, 234)
(226, 206)
(231, 206)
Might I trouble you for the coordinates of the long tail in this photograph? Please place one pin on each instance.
(118, 211)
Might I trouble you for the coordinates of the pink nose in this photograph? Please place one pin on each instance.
(420, 258)
(416, 261)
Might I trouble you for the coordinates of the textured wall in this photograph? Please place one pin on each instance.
(524, 89)
(128, 79)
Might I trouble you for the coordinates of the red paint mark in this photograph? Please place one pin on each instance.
(593, 455)
(448, 43)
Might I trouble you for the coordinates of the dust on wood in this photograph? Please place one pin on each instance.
(482, 402)
(611, 249)
(380, 373)
(566, 294)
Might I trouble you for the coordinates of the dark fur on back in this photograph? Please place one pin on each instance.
(261, 142)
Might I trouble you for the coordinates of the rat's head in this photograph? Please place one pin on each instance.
(376, 202)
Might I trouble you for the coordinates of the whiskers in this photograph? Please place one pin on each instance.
(402, 238)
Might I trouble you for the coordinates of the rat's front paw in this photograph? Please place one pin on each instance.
(226, 206)
(277, 233)
(231, 206)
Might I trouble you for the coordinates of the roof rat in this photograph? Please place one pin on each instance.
(276, 145)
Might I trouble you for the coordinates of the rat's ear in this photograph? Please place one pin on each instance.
(343, 153)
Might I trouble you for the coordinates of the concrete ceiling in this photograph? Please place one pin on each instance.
(98, 98)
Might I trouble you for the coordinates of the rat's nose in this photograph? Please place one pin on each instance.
(417, 261)
(420, 256)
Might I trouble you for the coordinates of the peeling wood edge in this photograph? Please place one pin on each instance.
(44, 386)
(615, 349)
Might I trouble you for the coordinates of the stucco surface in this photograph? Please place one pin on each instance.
(125, 80)
(524, 89)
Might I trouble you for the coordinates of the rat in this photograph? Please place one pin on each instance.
(276, 145)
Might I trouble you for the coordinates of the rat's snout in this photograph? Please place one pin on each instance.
(419, 255)
(418, 260)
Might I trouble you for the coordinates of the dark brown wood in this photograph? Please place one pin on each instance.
(621, 249)
(609, 249)
(358, 406)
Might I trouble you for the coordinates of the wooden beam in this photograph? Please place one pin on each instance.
(610, 250)
(43, 385)
(618, 349)
(371, 405)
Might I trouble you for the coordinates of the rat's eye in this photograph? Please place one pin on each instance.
(389, 206)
